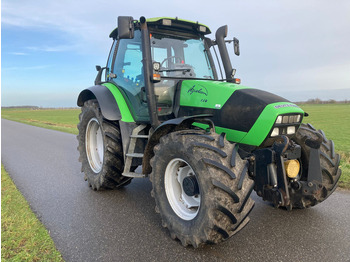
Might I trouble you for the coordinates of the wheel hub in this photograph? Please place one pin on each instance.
(94, 145)
(182, 189)
(190, 186)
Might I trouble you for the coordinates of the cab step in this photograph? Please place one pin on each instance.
(130, 155)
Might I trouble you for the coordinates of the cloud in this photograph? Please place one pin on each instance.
(60, 48)
(17, 53)
(40, 14)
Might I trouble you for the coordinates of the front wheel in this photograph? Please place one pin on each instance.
(329, 161)
(201, 187)
(100, 149)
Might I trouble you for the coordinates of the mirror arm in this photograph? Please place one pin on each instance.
(99, 74)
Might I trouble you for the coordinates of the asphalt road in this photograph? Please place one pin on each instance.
(122, 225)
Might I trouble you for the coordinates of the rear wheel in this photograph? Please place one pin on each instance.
(201, 187)
(100, 149)
(329, 167)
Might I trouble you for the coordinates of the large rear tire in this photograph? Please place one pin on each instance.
(329, 166)
(201, 187)
(100, 148)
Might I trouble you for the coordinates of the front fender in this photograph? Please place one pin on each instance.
(109, 107)
(167, 127)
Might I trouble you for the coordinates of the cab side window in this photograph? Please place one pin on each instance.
(128, 64)
(133, 63)
(110, 60)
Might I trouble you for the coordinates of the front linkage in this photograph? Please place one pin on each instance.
(278, 177)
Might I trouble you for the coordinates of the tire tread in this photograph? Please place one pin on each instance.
(231, 204)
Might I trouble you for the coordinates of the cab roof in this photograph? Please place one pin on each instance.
(171, 23)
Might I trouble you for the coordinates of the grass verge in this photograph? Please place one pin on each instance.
(23, 236)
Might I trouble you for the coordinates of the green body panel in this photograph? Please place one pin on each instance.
(266, 120)
(206, 93)
(123, 106)
(231, 135)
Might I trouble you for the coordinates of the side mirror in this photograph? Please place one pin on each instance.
(236, 46)
(208, 41)
(99, 74)
(125, 27)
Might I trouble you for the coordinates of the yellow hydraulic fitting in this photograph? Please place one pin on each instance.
(292, 168)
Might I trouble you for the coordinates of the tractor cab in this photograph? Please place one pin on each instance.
(179, 51)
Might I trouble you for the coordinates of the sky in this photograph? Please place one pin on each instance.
(297, 49)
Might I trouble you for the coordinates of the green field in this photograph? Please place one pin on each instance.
(333, 119)
(65, 120)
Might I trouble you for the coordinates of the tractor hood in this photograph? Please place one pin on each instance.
(245, 114)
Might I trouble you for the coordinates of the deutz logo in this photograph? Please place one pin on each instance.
(285, 105)
(199, 90)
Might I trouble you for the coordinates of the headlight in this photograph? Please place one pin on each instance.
(286, 125)
(279, 120)
(275, 132)
(288, 119)
(290, 130)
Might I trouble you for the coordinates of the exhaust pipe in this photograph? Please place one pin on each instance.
(220, 35)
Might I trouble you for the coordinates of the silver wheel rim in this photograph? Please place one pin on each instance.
(186, 207)
(94, 145)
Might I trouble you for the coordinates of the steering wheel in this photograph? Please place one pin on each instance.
(169, 58)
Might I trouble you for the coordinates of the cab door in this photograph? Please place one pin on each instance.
(127, 74)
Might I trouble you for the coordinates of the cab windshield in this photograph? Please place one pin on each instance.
(181, 57)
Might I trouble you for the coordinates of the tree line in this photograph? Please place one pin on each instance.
(320, 101)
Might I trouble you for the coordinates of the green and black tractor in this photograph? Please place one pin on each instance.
(170, 108)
